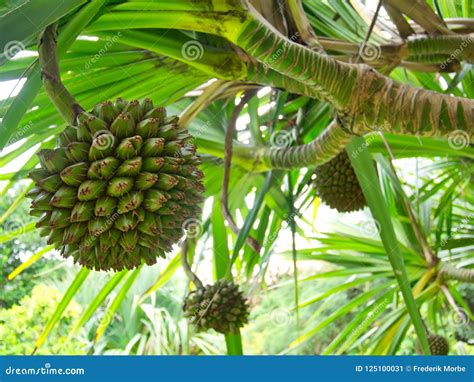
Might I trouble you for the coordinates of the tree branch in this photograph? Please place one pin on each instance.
(366, 98)
(347, 86)
(304, 28)
(428, 49)
(422, 14)
(322, 149)
(448, 272)
(64, 101)
(229, 136)
(404, 29)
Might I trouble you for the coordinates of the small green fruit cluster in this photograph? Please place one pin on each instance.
(438, 344)
(221, 307)
(337, 185)
(119, 187)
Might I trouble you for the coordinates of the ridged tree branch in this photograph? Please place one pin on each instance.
(445, 51)
(429, 49)
(367, 99)
(322, 149)
(364, 99)
(378, 101)
(356, 91)
(64, 101)
(448, 272)
(323, 74)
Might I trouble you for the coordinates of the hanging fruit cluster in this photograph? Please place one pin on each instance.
(438, 344)
(118, 189)
(337, 185)
(221, 307)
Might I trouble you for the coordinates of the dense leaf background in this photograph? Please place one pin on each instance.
(336, 293)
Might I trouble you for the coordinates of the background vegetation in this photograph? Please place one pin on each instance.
(324, 282)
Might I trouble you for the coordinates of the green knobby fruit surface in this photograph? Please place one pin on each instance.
(117, 191)
(220, 306)
(337, 185)
(438, 344)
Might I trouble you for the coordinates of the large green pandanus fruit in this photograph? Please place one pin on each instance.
(120, 187)
(220, 306)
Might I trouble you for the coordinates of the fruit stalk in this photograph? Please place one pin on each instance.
(187, 269)
(252, 242)
(64, 101)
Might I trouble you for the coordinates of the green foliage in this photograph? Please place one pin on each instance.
(345, 291)
(21, 325)
(14, 252)
(273, 321)
(151, 326)
(158, 332)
